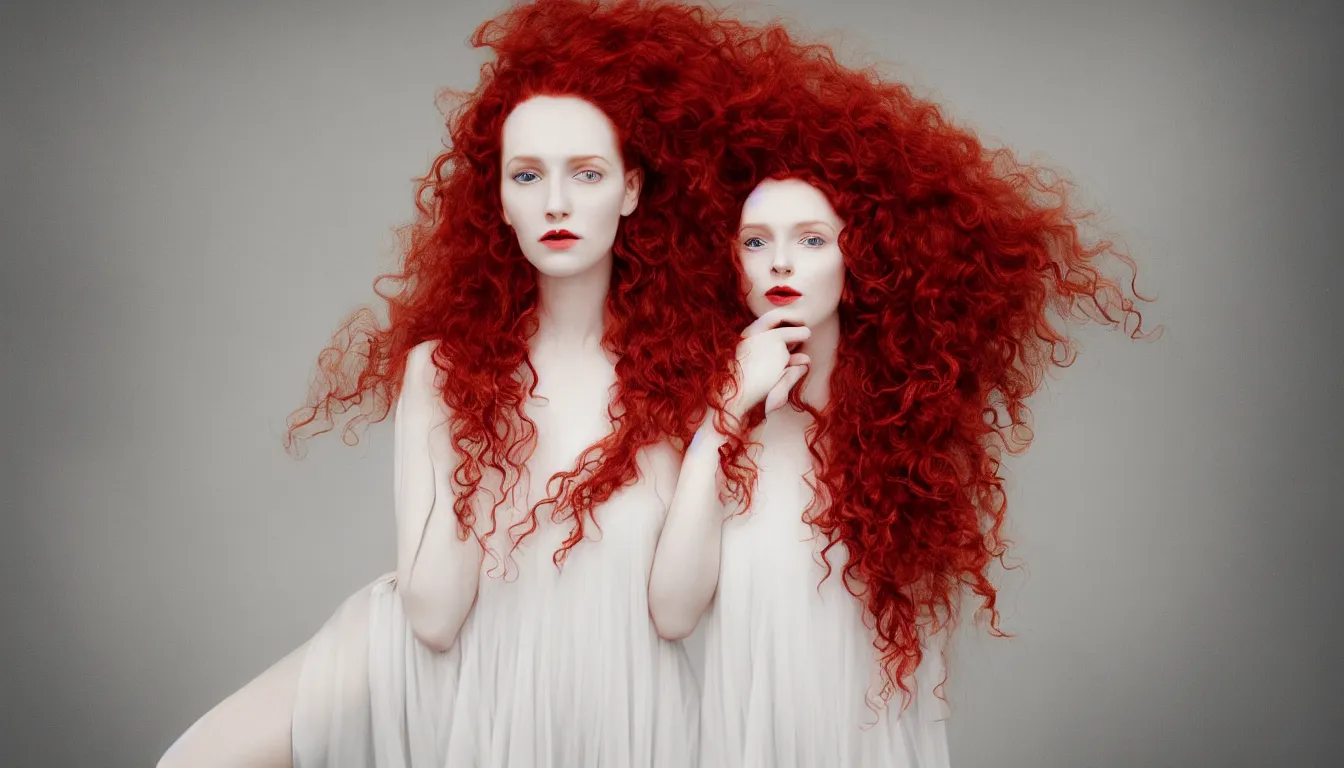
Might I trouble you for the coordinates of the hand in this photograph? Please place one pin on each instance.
(793, 373)
(767, 368)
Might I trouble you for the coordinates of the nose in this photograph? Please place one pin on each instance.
(782, 264)
(557, 200)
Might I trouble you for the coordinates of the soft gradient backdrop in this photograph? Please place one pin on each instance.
(196, 193)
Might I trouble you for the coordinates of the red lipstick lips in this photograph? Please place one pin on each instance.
(559, 239)
(781, 295)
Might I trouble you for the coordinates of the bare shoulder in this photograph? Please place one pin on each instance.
(421, 398)
(421, 378)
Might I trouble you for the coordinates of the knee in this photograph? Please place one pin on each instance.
(171, 759)
(178, 755)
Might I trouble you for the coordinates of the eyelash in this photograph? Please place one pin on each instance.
(598, 174)
(822, 241)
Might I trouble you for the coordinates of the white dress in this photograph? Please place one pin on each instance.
(563, 669)
(789, 667)
(370, 694)
(549, 668)
(560, 669)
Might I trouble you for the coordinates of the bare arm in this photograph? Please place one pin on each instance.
(685, 570)
(437, 572)
(686, 563)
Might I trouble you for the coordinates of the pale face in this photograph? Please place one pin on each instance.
(564, 188)
(788, 242)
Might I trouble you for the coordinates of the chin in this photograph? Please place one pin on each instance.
(561, 263)
(760, 305)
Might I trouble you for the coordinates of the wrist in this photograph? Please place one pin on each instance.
(708, 438)
(738, 406)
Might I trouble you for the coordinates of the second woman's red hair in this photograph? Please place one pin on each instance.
(963, 267)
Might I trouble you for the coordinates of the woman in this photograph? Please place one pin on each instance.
(897, 278)
(549, 348)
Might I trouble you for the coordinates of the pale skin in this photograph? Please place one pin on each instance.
(787, 238)
(562, 170)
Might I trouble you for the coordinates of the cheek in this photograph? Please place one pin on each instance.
(756, 280)
(602, 202)
(513, 203)
(755, 273)
(826, 284)
(836, 276)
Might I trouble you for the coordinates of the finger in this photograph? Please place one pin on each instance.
(795, 374)
(799, 358)
(776, 397)
(789, 334)
(772, 319)
(779, 394)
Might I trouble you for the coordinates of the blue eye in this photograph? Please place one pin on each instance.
(754, 243)
(518, 177)
(588, 176)
(813, 241)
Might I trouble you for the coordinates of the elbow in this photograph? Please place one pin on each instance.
(437, 636)
(433, 622)
(670, 621)
(434, 639)
(672, 630)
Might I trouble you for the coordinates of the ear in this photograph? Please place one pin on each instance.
(634, 180)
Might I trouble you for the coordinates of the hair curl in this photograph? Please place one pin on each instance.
(657, 71)
(962, 266)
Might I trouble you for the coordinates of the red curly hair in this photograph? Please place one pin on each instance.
(962, 266)
(656, 70)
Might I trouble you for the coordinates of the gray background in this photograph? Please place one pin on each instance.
(194, 195)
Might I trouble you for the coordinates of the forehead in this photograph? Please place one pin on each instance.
(783, 202)
(558, 126)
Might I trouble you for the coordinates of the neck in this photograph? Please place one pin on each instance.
(571, 310)
(821, 348)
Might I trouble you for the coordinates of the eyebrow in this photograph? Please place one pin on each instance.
(800, 225)
(572, 161)
(813, 224)
(588, 158)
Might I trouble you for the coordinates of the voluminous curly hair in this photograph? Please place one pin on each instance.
(963, 266)
(657, 70)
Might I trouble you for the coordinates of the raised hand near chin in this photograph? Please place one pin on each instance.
(767, 365)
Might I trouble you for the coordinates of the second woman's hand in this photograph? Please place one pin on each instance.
(766, 367)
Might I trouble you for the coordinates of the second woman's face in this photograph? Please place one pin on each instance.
(563, 186)
(788, 244)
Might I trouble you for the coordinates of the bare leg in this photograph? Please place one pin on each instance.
(306, 705)
(249, 728)
(323, 704)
